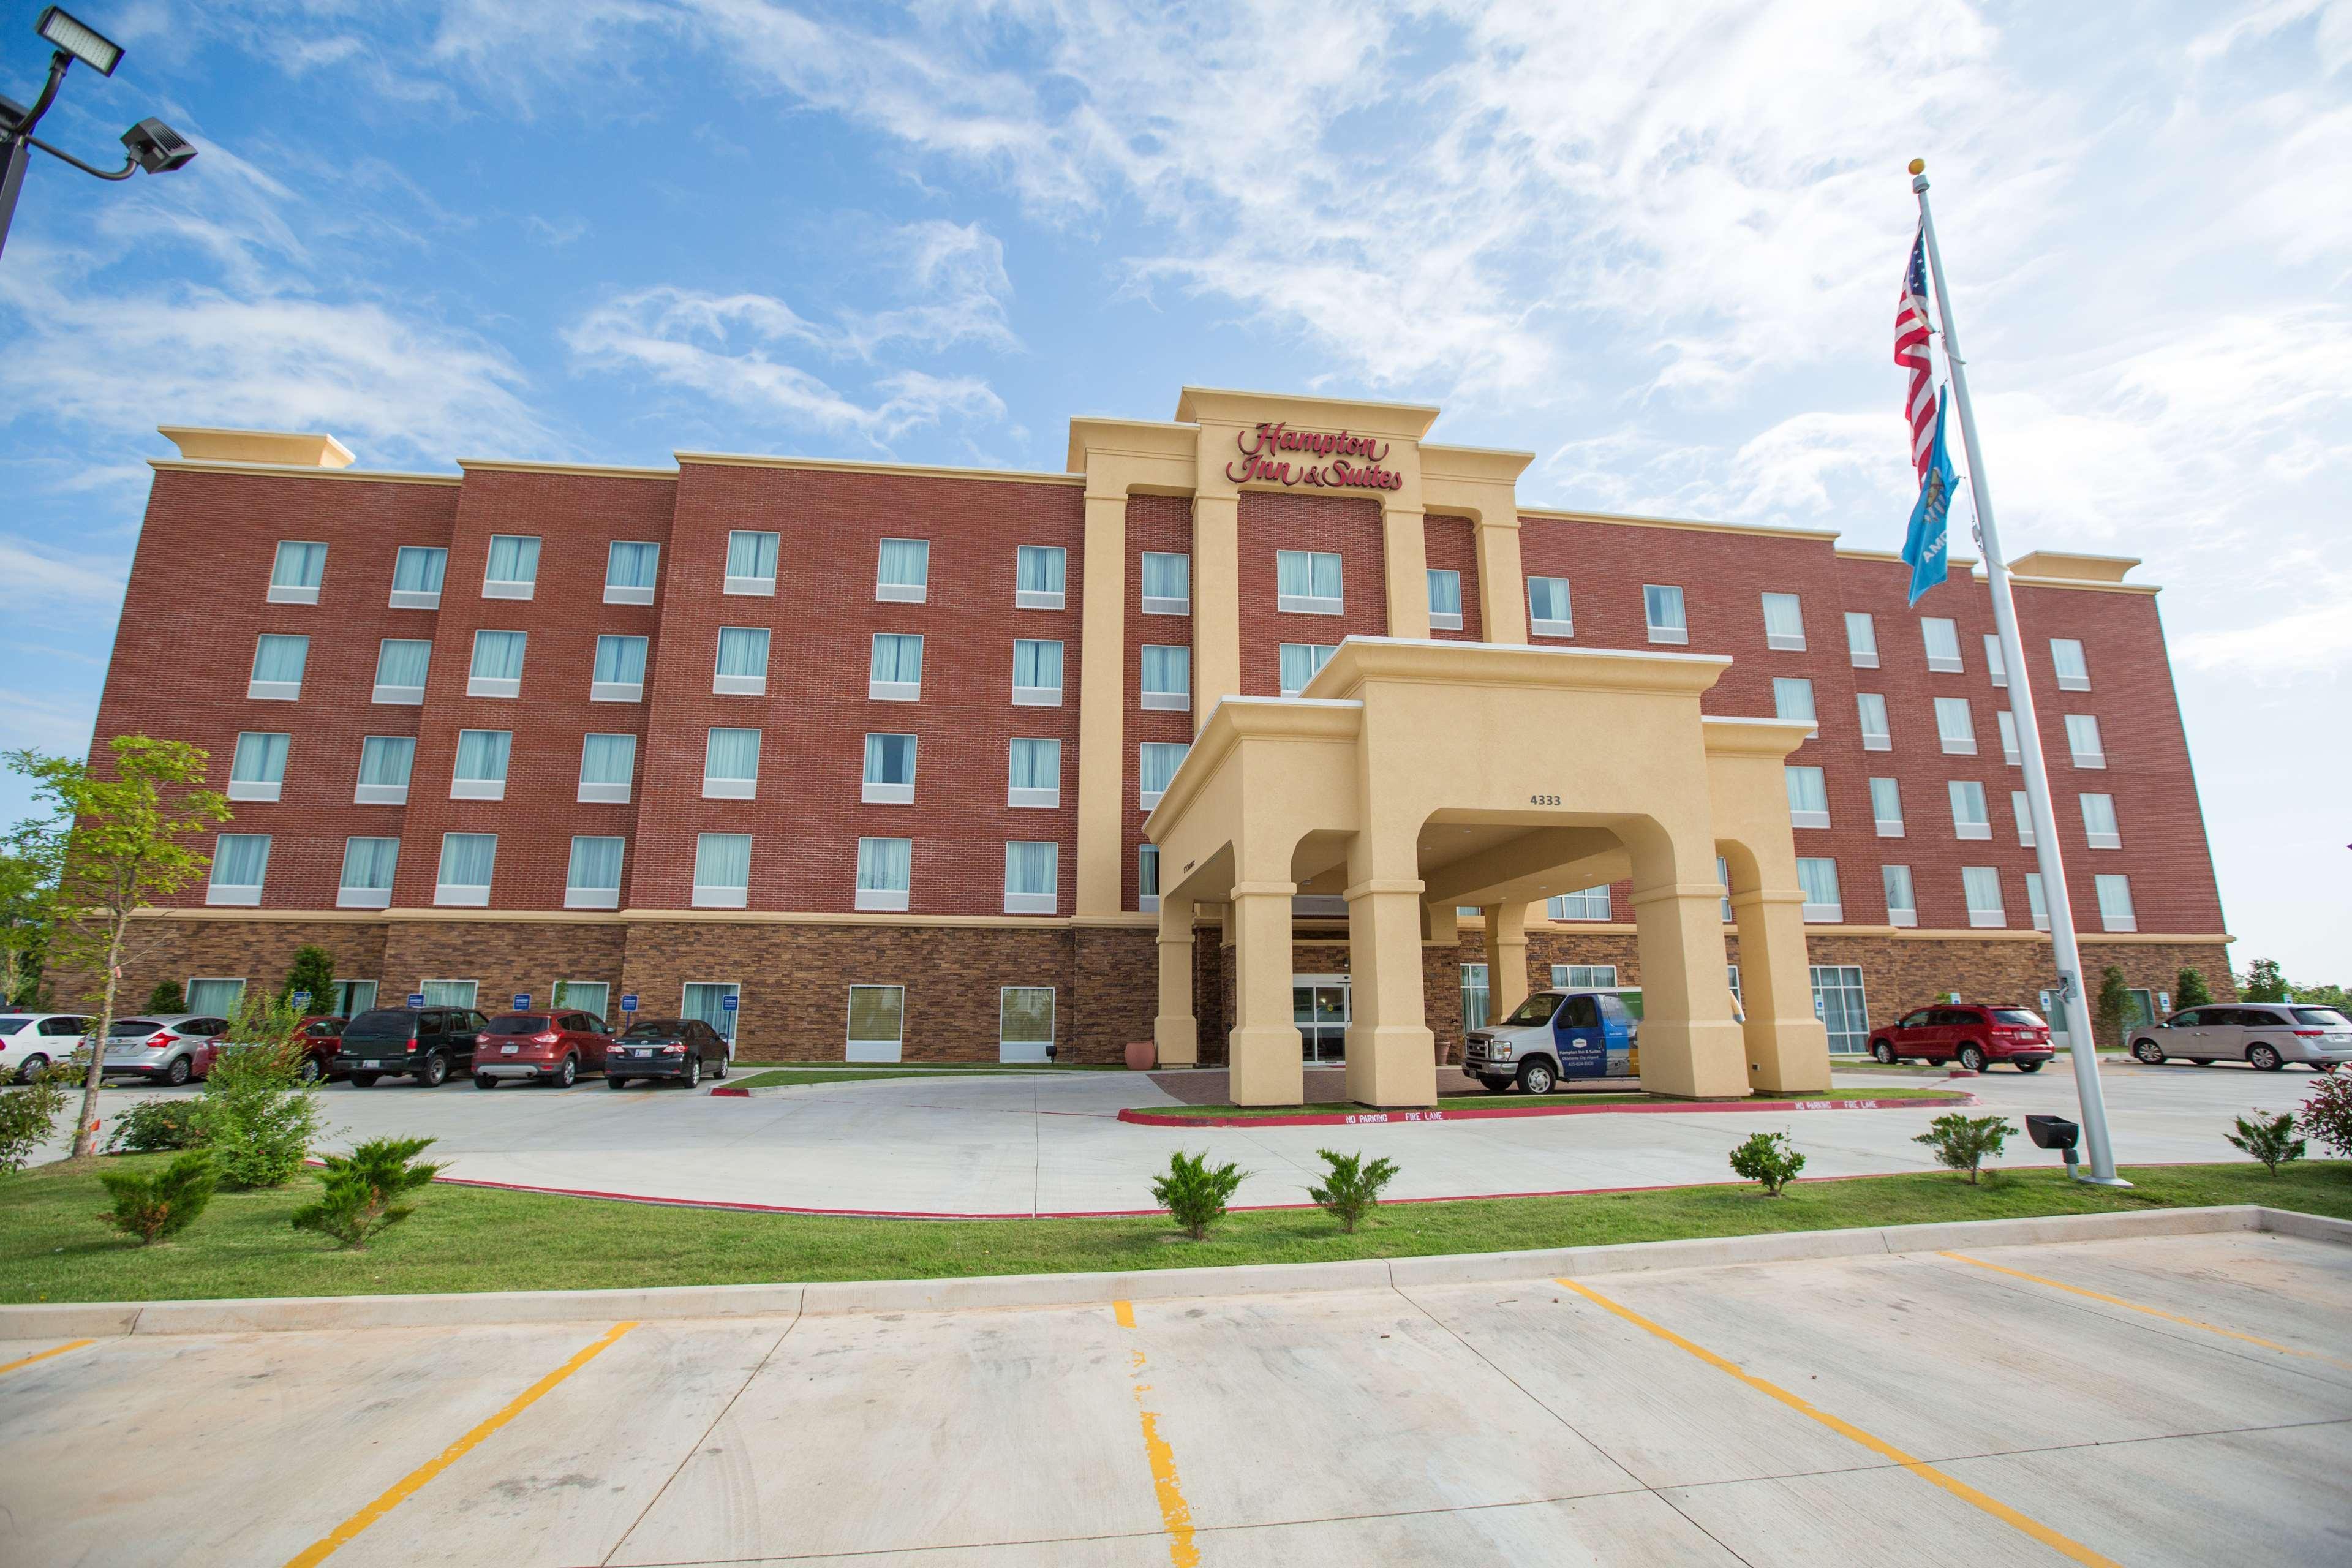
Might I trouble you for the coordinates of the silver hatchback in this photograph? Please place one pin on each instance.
(162, 1048)
(2269, 1034)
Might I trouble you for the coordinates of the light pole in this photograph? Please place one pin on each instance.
(151, 145)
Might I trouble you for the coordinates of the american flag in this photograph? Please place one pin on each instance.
(1911, 351)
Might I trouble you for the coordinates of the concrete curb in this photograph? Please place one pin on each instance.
(1140, 1117)
(104, 1319)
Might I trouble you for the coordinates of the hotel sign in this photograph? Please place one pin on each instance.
(1325, 459)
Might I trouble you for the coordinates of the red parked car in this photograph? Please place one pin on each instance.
(1971, 1036)
(542, 1048)
(321, 1036)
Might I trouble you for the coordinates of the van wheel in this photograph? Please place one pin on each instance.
(1495, 1085)
(364, 1080)
(2266, 1058)
(2029, 1067)
(568, 1073)
(435, 1072)
(484, 1080)
(1536, 1077)
(1972, 1058)
(2149, 1052)
(1883, 1051)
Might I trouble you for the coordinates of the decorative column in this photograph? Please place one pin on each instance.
(1391, 1054)
(1502, 582)
(1216, 601)
(1691, 1049)
(1102, 692)
(1507, 958)
(1788, 1047)
(1405, 551)
(1266, 1057)
(1175, 1031)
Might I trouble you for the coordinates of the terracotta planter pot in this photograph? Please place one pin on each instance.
(1141, 1055)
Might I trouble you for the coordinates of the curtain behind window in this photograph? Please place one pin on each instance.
(885, 865)
(1030, 868)
(369, 862)
(1040, 569)
(1167, 669)
(722, 861)
(743, 650)
(498, 656)
(298, 565)
(890, 759)
(731, 754)
(260, 758)
(608, 758)
(467, 859)
(1167, 577)
(1038, 664)
(239, 860)
(418, 569)
(280, 657)
(1037, 765)
(751, 556)
(514, 558)
(595, 864)
(1444, 593)
(632, 566)
(897, 656)
(621, 660)
(482, 753)
(906, 562)
(386, 759)
(402, 661)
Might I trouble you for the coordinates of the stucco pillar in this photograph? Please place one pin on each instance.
(1266, 1057)
(1441, 925)
(1391, 1050)
(1507, 958)
(1216, 602)
(1405, 550)
(1788, 1047)
(1175, 1032)
(1691, 1048)
(1102, 689)
(1502, 583)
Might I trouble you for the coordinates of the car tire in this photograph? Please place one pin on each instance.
(612, 1082)
(364, 1080)
(1972, 1058)
(1537, 1077)
(1495, 1085)
(2148, 1052)
(30, 1065)
(693, 1070)
(2265, 1058)
(2029, 1067)
(309, 1071)
(568, 1073)
(2202, 1061)
(484, 1080)
(720, 1070)
(178, 1072)
(435, 1072)
(1883, 1051)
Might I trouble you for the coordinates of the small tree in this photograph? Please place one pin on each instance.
(29, 883)
(1965, 1142)
(1193, 1194)
(314, 973)
(2114, 1004)
(260, 1117)
(153, 1207)
(2190, 990)
(2334, 997)
(1350, 1188)
(154, 1126)
(1768, 1158)
(2262, 982)
(167, 997)
(2270, 1139)
(361, 1190)
(121, 842)
(2327, 1114)
(29, 1115)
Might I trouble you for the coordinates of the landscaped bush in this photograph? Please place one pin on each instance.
(2190, 990)
(2112, 1008)
(313, 974)
(1768, 1158)
(2327, 1114)
(360, 1190)
(1965, 1142)
(29, 1114)
(2270, 1139)
(259, 1118)
(1193, 1194)
(1350, 1188)
(157, 1126)
(166, 998)
(153, 1207)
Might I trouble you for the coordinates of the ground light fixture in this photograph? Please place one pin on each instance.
(151, 144)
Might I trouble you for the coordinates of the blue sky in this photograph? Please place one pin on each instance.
(1658, 245)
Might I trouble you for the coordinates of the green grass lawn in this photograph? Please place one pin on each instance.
(1560, 1097)
(52, 1249)
(786, 1077)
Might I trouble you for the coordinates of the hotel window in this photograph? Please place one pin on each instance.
(1585, 976)
(1167, 678)
(630, 569)
(1839, 1003)
(258, 770)
(593, 881)
(1819, 879)
(1969, 817)
(2083, 741)
(1886, 807)
(902, 574)
(481, 770)
(1943, 641)
(1861, 639)
(1307, 583)
(1549, 614)
(722, 871)
(607, 763)
(1584, 904)
(240, 860)
(1995, 665)
(417, 573)
(885, 870)
(1299, 661)
(889, 770)
(2035, 902)
(1872, 707)
(731, 765)
(384, 763)
(2099, 821)
(1662, 607)
(707, 1001)
(400, 666)
(1793, 698)
(449, 993)
(2074, 673)
(295, 574)
(512, 571)
(496, 669)
(1033, 775)
(742, 668)
(588, 997)
(368, 866)
(467, 859)
(1784, 622)
(1982, 884)
(1038, 573)
(1166, 583)
(1030, 874)
(2008, 752)
(619, 674)
(2115, 903)
(215, 995)
(1723, 880)
(1146, 878)
(894, 673)
(751, 564)
(2025, 817)
(278, 663)
(1955, 727)
(353, 997)
(1474, 995)
(1025, 1022)
(1037, 673)
(1156, 766)
(1445, 600)
(1902, 905)
(1808, 797)
(878, 1023)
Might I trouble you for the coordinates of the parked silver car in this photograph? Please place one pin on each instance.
(2267, 1034)
(32, 1040)
(162, 1048)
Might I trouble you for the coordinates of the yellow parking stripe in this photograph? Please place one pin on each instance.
(2064, 1545)
(1175, 1513)
(349, 1531)
(43, 1355)
(2151, 1311)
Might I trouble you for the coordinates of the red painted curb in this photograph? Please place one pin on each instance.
(730, 1093)
(1485, 1113)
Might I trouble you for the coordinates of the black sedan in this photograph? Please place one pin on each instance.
(681, 1048)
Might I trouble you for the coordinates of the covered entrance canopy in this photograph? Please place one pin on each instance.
(1413, 776)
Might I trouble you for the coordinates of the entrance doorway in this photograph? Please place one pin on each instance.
(1319, 1006)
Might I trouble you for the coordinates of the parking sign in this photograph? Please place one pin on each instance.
(522, 1000)
(629, 1002)
(728, 1002)
(416, 998)
(301, 999)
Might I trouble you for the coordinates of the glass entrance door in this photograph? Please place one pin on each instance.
(1319, 1006)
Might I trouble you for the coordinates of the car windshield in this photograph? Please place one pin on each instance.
(519, 1024)
(2018, 1015)
(1535, 1009)
(132, 1027)
(656, 1029)
(323, 1029)
(10, 1026)
(381, 1024)
(2325, 1017)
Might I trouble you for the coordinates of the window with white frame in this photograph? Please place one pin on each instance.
(512, 569)
(215, 995)
(1981, 885)
(741, 669)
(240, 862)
(1025, 1022)
(619, 673)
(1942, 638)
(1037, 673)
(1166, 583)
(468, 861)
(1819, 879)
(1662, 609)
(902, 572)
(751, 564)
(449, 993)
(1584, 904)
(1146, 878)
(1793, 698)
(878, 1023)
(2024, 816)
(2073, 671)
(496, 669)
(1474, 995)
(722, 871)
(1038, 573)
(481, 772)
(1871, 707)
(1156, 766)
(1445, 600)
(2008, 752)
(384, 765)
(889, 770)
(608, 764)
(2099, 825)
(1955, 727)
(1731, 978)
(1861, 639)
(1995, 665)
(278, 662)
(1550, 613)
(587, 996)
(353, 997)
(1030, 872)
(707, 1000)
(2115, 904)
(257, 772)
(631, 568)
(1298, 662)
(1167, 678)
(1033, 775)
(295, 575)
(1969, 817)
(1723, 880)
(2083, 741)
(885, 872)
(417, 573)
(593, 879)
(1886, 807)
(1584, 976)
(1784, 622)
(1902, 905)
(895, 671)
(2036, 904)
(1307, 582)
(401, 664)
(1808, 797)
(731, 765)
(1839, 1003)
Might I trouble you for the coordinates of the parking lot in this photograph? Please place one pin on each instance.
(2184, 1400)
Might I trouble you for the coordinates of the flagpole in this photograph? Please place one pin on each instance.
(2073, 1000)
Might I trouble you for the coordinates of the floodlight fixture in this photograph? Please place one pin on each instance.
(79, 39)
(157, 147)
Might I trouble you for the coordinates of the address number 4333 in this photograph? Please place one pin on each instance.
(1543, 800)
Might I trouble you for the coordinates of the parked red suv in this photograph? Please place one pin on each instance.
(1970, 1036)
(544, 1047)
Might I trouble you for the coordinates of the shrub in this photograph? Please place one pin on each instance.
(1193, 1194)
(29, 1114)
(153, 1207)
(314, 972)
(2270, 1139)
(2190, 990)
(2327, 1114)
(359, 1190)
(2112, 1007)
(2262, 982)
(166, 998)
(1965, 1142)
(1767, 1157)
(259, 1117)
(154, 1126)
(1350, 1188)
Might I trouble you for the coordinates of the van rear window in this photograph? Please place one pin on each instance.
(2018, 1015)
(2322, 1017)
(519, 1024)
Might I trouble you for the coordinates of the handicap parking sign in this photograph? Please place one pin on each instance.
(416, 998)
(728, 1002)
(629, 1002)
(300, 999)
(522, 1000)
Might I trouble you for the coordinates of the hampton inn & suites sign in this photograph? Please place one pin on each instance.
(1325, 459)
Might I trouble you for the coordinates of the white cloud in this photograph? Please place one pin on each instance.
(60, 579)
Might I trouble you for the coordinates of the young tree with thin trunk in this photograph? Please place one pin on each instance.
(121, 842)
(29, 881)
